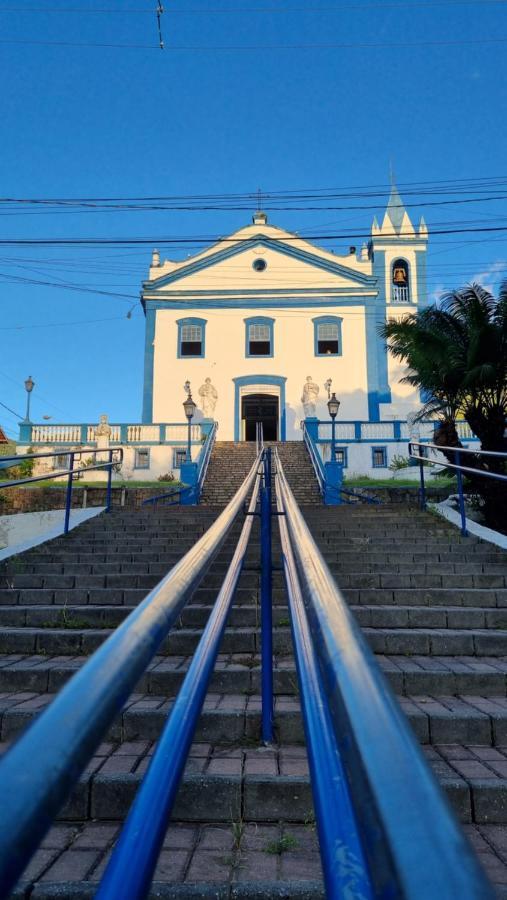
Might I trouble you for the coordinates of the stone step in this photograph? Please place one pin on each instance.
(226, 861)
(406, 641)
(241, 673)
(227, 784)
(235, 718)
(142, 553)
(195, 615)
(182, 641)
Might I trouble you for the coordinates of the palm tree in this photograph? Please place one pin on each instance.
(456, 355)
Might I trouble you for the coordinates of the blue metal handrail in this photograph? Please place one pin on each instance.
(414, 847)
(115, 457)
(191, 491)
(316, 459)
(130, 870)
(259, 436)
(417, 451)
(204, 458)
(37, 774)
(345, 872)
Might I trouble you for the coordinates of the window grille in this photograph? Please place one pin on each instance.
(259, 340)
(379, 457)
(142, 458)
(340, 455)
(179, 457)
(327, 338)
(191, 340)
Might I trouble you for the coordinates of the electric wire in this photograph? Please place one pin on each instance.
(11, 410)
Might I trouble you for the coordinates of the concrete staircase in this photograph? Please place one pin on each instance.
(432, 604)
(230, 463)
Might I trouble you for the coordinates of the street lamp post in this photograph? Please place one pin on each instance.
(29, 386)
(333, 406)
(190, 407)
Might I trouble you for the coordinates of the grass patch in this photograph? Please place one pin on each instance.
(283, 845)
(366, 481)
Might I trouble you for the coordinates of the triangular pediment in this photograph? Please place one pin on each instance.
(288, 261)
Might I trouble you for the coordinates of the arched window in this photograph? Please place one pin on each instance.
(191, 334)
(400, 281)
(327, 336)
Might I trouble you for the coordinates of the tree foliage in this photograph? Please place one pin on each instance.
(456, 354)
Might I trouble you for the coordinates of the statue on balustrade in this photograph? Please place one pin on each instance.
(310, 397)
(209, 397)
(103, 429)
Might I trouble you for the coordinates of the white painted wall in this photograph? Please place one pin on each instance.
(293, 359)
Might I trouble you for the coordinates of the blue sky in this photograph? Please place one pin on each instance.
(88, 121)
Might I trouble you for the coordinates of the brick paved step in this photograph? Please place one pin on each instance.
(361, 592)
(68, 641)
(335, 548)
(232, 718)
(241, 673)
(257, 861)
(342, 561)
(233, 783)
(196, 615)
(408, 641)
(73, 857)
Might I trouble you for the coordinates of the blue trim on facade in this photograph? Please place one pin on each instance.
(192, 321)
(265, 302)
(327, 320)
(258, 240)
(149, 358)
(263, 292)
(260, 320)
(278, 381)
(376, 349)
(383, 464)
(422, 285)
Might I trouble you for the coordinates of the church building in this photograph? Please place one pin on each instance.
(263, 324)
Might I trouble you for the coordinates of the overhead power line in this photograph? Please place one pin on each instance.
(11, 410)
(255, 48)
(65, 286)
(336, 7)
(211, 239)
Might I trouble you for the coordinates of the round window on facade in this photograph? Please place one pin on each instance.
(259, 265)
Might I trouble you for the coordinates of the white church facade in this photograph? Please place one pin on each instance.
(262, 312)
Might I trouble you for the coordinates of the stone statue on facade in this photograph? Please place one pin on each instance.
(209, 397)
(103, 429)
(413, 427)
(310, 397)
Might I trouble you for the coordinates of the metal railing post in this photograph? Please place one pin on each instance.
(109, 481)
(266, 605)
(461, 498)
(68, 496)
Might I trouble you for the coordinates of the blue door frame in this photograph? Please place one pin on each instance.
(246, 380)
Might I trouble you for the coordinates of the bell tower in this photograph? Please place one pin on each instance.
(398, 254)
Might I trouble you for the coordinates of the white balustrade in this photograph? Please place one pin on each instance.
(401, 294)
(377, 431)
(180, 432)
(56, 434)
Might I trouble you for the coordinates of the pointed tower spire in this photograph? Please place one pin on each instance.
(395, 209)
